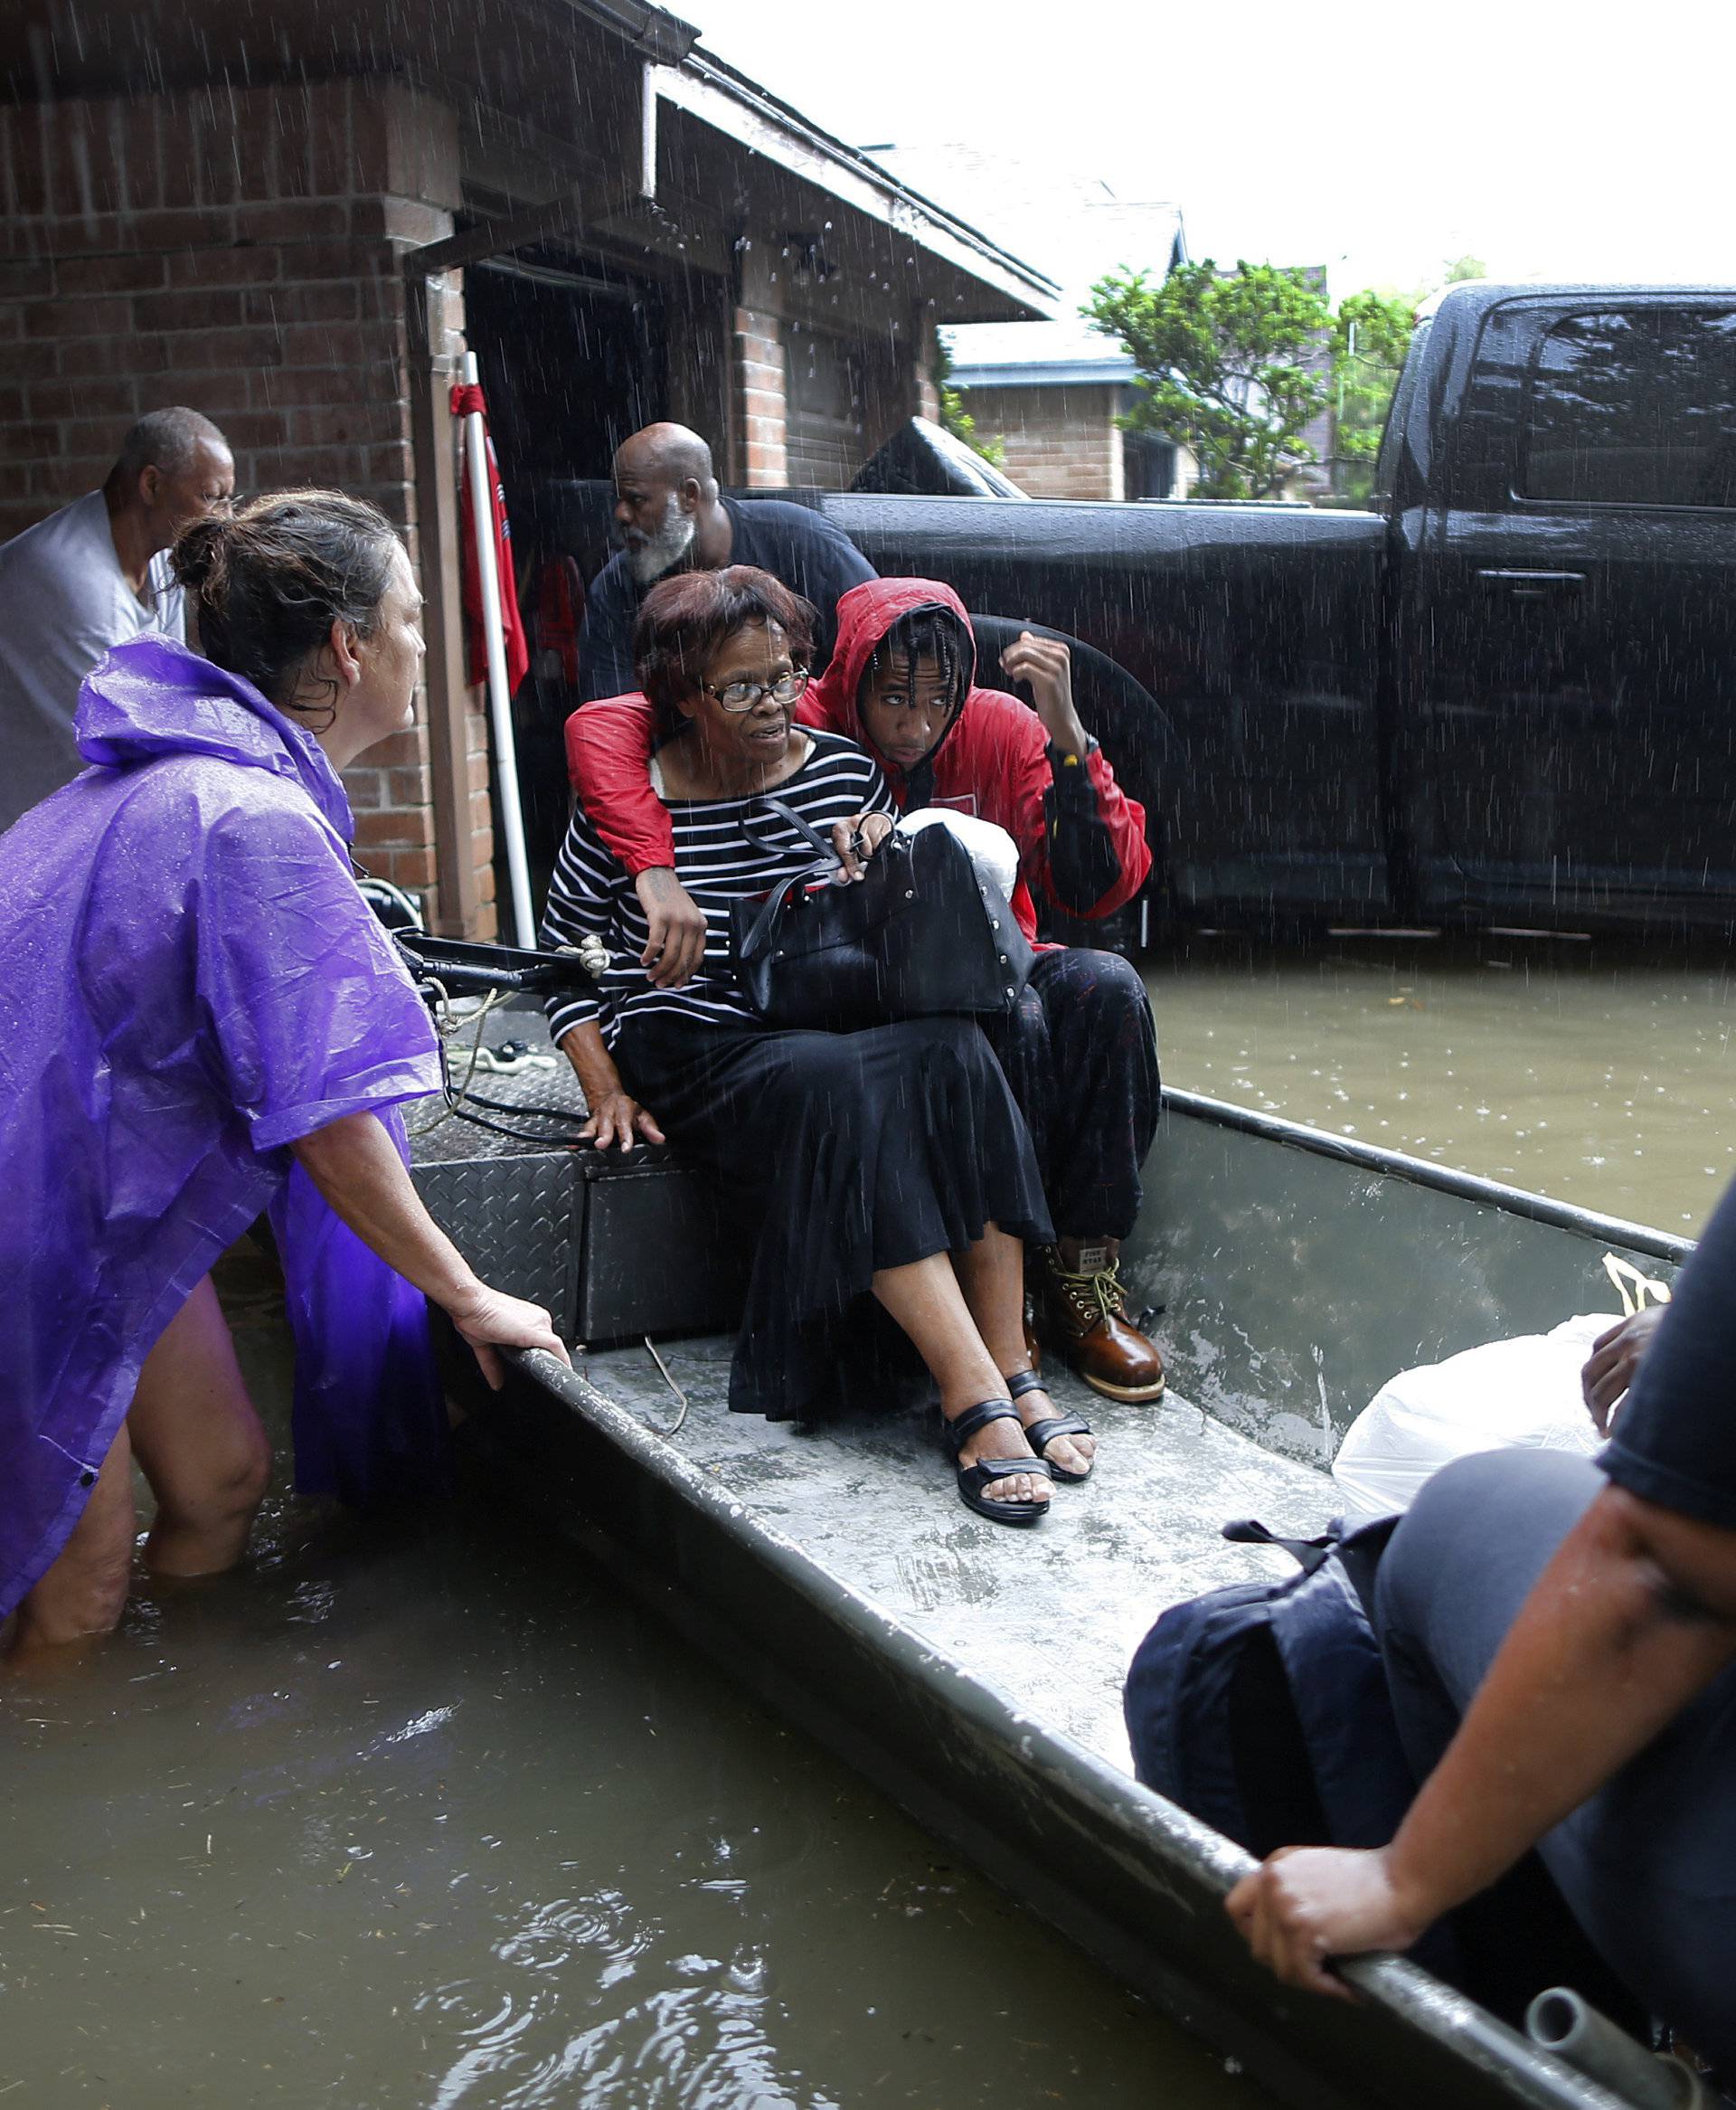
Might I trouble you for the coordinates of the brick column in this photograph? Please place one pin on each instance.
(759, 433)
(236, 250)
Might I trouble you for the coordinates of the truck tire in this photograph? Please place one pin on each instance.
(1145, 752)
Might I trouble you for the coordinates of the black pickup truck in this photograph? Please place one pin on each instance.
(1505, 696)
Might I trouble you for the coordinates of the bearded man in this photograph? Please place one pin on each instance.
(672, 517)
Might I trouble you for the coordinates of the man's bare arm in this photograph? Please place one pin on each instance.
(1634, 1616)
(676, 944)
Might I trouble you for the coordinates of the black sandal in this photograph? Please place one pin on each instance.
(974, 1479)
(1041, 1434)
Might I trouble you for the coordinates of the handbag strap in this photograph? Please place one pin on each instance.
(824, 867)
(790, 819)
(760, 931)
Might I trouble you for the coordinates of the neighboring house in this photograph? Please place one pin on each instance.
(1313, 481)
(296, 218)
(1052, 391)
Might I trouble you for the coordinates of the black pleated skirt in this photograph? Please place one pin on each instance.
(846, 1153)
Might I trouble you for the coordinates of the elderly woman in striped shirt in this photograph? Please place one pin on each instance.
(891, 1160)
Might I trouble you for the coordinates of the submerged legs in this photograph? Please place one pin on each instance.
(199, 1443)
(82, 1595)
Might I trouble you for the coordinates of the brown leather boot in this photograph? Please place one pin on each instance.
(1085, 1309)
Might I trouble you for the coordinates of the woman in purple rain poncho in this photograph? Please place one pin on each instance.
(199, 1018)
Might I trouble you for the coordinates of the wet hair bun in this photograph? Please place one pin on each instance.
(200, 559)
(266, 585)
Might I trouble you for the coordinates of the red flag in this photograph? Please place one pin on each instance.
(560, 613)
(466, 399)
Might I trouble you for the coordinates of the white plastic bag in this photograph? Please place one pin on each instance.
(994, 854)
(1508, 1393)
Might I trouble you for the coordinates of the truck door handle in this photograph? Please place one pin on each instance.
(1533, 585)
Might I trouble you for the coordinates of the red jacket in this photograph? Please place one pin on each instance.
(993, 760)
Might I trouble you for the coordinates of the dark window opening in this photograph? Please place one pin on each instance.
(825, 409)
(571, 356)
(1148, 465)
(570, 352)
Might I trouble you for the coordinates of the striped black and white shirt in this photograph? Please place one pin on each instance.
(718, 862)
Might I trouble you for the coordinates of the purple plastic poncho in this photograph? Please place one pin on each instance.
(192, 982)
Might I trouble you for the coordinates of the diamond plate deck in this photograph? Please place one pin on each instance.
(518, 1221)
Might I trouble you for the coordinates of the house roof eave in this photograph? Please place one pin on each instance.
(1112, 373)
(708, 89)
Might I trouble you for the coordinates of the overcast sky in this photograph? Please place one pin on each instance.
(1555, 141)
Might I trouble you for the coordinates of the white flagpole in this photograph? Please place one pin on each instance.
(500, 701)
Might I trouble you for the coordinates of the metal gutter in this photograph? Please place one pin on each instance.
(653, 31)
(715, 95)
(1111, 372)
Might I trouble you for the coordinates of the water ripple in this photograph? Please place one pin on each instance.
(699, 2039)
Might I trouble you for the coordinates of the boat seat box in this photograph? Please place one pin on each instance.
(654, 1203)
(569, 1226)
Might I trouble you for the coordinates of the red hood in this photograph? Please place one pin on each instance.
(865, 614)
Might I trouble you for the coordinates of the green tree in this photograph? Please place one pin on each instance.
(1234, 365)
(1371, 335)
(955, 418)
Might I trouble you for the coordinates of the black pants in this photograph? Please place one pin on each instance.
(1080, 1053)
(1647, 1866)
(844, 1153)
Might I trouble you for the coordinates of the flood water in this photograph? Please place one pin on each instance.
(1600, 1072)
(442, 1821)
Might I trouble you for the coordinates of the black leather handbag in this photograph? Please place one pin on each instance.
(918, 935)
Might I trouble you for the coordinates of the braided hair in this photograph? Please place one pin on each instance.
(938, 636)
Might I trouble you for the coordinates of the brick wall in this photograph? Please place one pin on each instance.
(759, 423)
(236, 250)
(1061, 442)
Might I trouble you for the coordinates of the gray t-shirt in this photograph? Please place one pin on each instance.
(63, 602)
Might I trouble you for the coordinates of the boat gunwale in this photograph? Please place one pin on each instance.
(1183, 1848)
(1513, 1201)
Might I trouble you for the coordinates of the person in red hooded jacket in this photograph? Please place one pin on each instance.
(1079, 1053)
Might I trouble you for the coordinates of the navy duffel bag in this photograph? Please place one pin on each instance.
(1262, 1708)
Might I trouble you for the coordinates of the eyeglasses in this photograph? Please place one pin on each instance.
(742, 696)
